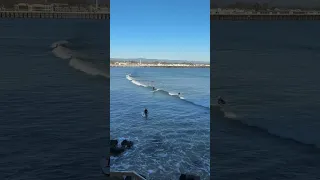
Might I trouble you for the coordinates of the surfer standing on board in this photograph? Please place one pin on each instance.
(146, 112)
(221, 101)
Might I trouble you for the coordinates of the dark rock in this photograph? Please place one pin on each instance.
(189, 177)
(126, 144)
(115, 150)
(113, 143)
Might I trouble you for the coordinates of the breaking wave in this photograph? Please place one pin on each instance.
(76, 60)
(173, 94)
(221, 113)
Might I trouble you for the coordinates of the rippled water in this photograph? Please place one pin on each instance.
(175, 137)
(53, 113)
(268, 73)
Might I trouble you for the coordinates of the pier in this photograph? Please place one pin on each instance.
(259, 17)
(268, 15)
(55, 11)
(54, 15)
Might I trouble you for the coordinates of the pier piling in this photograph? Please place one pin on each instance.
(54, 15)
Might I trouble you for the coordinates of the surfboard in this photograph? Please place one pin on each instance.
(105, 166)
(142, 114)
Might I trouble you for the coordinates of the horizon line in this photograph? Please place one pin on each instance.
(157, 59)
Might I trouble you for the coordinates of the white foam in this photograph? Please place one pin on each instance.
(176, 94)
(230, 115)
(138, 83)
(129, 77)
(135, 81)
(62, 52)
(172, 94)
(84, 66)
(87, 67)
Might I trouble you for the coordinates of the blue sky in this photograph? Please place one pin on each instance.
(160, 29)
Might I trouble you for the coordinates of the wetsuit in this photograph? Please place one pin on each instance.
(221, 101)
(146, 112)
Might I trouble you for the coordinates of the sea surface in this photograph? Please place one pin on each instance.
(268, 72)
(54, 110)
(175, 137)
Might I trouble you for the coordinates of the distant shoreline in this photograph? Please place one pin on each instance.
(128, 66)
(159, 64)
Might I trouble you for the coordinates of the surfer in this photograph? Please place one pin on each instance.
(153, 88)
(146, 112)
(221, 101)
(178, 94)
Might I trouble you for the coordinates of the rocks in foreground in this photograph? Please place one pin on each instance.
(117, 149)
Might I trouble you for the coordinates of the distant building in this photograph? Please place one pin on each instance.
(22, 7)
(104, 9)
(60, 7)
(33, 7)
(57, 7)
(42, 7)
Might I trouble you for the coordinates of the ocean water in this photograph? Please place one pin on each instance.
(175, 138)
(54, 113)
(268, 73)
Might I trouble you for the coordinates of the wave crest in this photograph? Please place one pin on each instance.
(90, 68)
(222, 113)
(173, 94)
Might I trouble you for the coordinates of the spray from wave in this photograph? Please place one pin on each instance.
(135, 81)
(61, 50)
(173, 94)
(222, 112)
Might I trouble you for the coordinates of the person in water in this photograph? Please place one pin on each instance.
(178, 94)
(146, 111)
(221, 101)
(153, 88)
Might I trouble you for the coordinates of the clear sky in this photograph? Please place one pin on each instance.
(160, 29)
